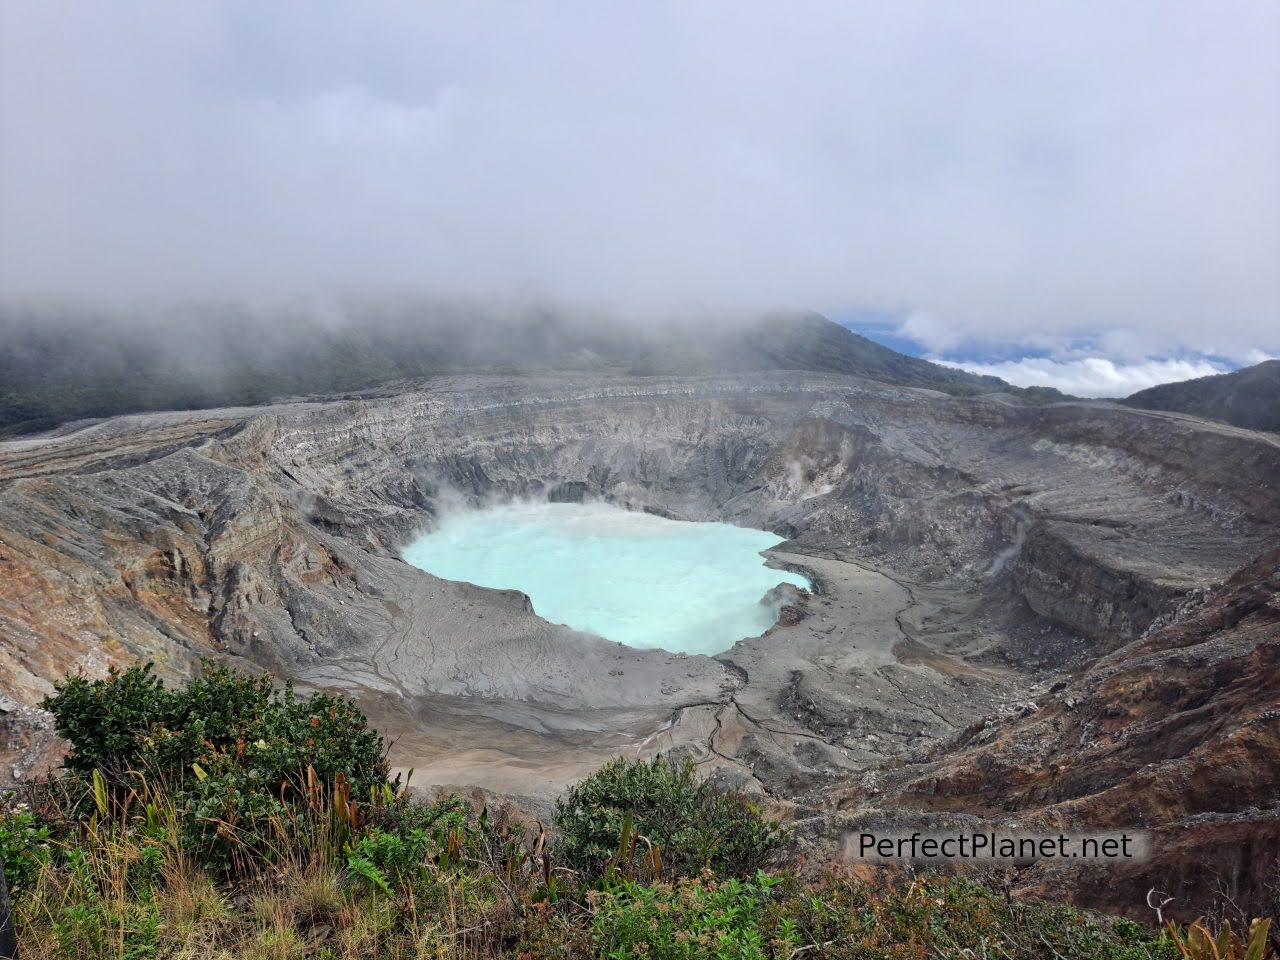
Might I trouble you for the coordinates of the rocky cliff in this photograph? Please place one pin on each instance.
(1177, 733)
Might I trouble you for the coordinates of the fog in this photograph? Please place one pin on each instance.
(985, 170)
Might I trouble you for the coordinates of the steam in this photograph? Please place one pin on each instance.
(1021, 518)
(805, 478)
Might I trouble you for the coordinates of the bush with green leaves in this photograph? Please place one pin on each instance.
(695, 920)
(130, 721)
(231, 750)
(845, 919)
(24, 843)
(664, 803)
(109, 721)
(406, 878)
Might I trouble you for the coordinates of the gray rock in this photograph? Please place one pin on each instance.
(944, 536)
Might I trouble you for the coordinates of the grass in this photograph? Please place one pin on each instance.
(177, 855)
(119, 886)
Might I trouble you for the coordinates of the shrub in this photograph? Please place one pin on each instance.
(695, 920)
(24, 844)
(780, 917)
(130, 721)
(108, 721)
(230, 751)
(694, 826)
(132, 869)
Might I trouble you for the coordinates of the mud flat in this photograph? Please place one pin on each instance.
(841, 652)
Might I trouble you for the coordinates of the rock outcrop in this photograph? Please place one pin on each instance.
(1176, 733)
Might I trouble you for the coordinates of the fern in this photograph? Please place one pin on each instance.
(366, 870)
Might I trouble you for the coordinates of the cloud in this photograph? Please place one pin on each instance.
(1091, 376)
(930, 332)
(988, 168)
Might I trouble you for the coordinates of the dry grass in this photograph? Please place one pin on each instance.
(190, 901)
(119, 887)
(320, 898)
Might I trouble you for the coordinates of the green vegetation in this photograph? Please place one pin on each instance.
(228, 751)
(1244, 398)
(229, 819)
(662, 806)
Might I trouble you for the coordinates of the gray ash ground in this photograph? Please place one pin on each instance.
(966, 553)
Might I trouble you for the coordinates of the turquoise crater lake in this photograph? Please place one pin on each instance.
(627, 576)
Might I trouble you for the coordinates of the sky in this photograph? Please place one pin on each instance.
(1081, 194)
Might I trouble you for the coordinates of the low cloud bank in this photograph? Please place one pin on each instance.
(1090, 376)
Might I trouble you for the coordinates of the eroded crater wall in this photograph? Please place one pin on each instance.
(271, 534)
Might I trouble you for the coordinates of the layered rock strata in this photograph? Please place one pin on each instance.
(968, 554)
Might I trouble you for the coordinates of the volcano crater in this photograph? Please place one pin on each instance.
(966, 556)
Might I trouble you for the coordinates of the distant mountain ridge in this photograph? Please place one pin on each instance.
(1247, 398)
(68, 365)
(809, 342)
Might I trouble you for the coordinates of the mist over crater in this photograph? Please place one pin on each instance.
(629, 576)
